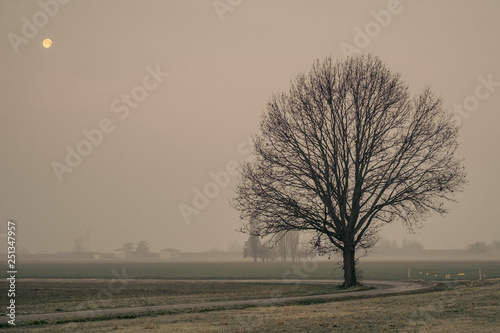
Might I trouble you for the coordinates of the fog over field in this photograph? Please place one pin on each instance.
(130, 126)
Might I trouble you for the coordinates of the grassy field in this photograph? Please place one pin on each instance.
(458, 308)
(52, 287)
(53, 295)
(380, 270)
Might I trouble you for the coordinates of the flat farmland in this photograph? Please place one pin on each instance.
(89, 285)
(464, 308)
(370, 270)
(64, 295)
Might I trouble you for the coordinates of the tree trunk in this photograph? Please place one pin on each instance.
(350, 279)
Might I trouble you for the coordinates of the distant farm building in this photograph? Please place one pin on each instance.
(169, 253)
(120, 253)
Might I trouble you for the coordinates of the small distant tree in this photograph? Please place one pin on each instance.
(128, 248)
(495, 245)
(411, 246)
(306, 251)
(252, 247)
(271, 253)
(386, 246)
(477, 248)
(293, 244)
(282, 245)
(142, 249)
(264, 252)
(287, 244)
(78, 244)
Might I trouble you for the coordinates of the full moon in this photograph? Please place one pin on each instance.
(47, 43)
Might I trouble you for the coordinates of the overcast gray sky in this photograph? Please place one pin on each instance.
(224, 59)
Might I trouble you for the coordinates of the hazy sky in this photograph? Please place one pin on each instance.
(223, 64)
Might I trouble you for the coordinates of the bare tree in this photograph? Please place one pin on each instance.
(281, 245)
(306, 251)
(267, 253)
(252, 247)
(346, 150)
(293, 244)
(128, 248)
(286, 244)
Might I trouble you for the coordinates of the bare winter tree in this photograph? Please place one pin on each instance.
(294, 237)
(252, 247)
(281, 245)
(346, 150)
(286, 244)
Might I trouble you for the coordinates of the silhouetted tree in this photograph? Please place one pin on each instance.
(306, 251)
(128, 248)
(411, 246)
(286, 244)
(267, 253)
(495, 245)
(477, 247)
(281, 245)
(346, 150)
(293, 244)
(252, 247)
(142, 249)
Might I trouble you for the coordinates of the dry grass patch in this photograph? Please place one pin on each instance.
(463, 309)
(63, 295)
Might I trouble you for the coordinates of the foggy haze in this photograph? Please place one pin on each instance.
(201, 78)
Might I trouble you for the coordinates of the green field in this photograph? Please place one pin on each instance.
(372, 270)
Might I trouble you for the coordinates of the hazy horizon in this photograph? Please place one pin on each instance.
(200, 85)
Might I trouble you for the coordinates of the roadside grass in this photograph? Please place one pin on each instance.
(52, 295)
(471, 307)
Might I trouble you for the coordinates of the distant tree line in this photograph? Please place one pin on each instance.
(286, 246)
(407, 246)
(391, 246)
(482, 247)
(141, 250)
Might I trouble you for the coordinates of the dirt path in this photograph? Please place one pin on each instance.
(379, 287)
